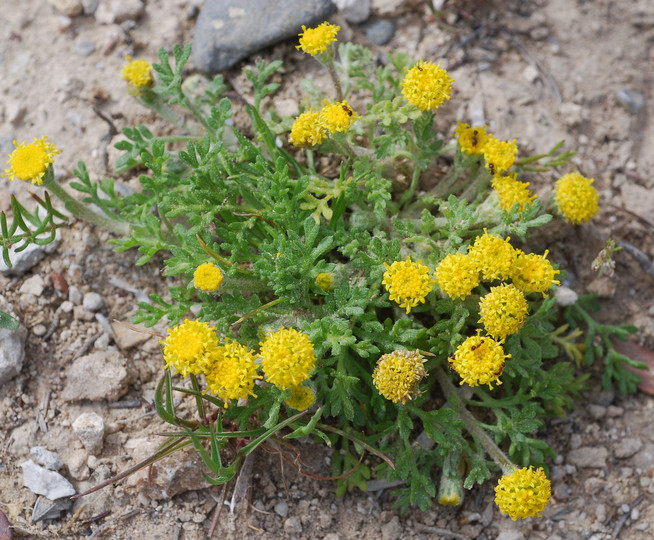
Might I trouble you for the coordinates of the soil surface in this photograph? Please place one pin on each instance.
(540, 71)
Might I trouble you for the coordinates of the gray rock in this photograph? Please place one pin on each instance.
(99, 376)
(293, 525)
(588, 456)
(354, 11)
(281, 508)
(628, 447)
(49, 460)
(392, 530)
(33, 285)
(228, 30)
(630, 100)
(67, 7)
(84, 48)
(12, 352)
(93, 301)
(117, 11)
(379, 31)
(89, 6)
(44, 508)
(75, 295)
(510, 535)
(41, 481)
(89, 427)
(22, 261)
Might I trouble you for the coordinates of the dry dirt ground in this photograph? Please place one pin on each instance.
(538, 71)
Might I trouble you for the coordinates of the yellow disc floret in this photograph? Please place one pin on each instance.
(338, 116)
(494, 256)
(398, 374)
(427, 86)
(325, 280)
(29, 162)
(472, 140)
(479, 360)
(576, 198)
(208, 277)
(408, 283)
(137, 73)
(499, 155)
(316, 40)
(187, 347)
(287, 357)
(457, 274)
(511, 191)
(301, 398)
(533, 273)
(503, 311)
(308, 129)
(523, 493)
(232, 371)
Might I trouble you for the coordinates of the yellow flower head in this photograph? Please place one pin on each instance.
(503, 310)
(325, 280)
(309, 129)
(408, 283)
(338, 116)
(316, 40)
(523, 493)
(232, 371)
(472, 140)
(287, 357)
(511, 191)
(576, 198)
(494, 257)
(427, 85)
(137, 73)
(479, 360)
(29, 162)
(499, 155)
(457, 274)
(533, 273)
(301, 398)
(398, 374)
(208, 277)
(187, 347)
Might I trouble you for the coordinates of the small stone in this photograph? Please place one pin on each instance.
(281, 508)
(562, 491)
(614, 412)
(379, 31)
(571, 114)
(635, 514)
(332, 536)
(64, 23)
(66, 306)
(392, 530)
(630, 100)
(588, 456)
(33, 285)
(84, 48)
(565, 296)
(67, 7)
(628, 447)
(49, 460)
(224, 29)
(39, 330)
(117, 11)
(293, 525)
(93, 301)
(81, 314)
(15, 112)
(75, 295)
(510, 535)
(354, 11)
(12, 352)
(44, 508)
(597, 411)
(89, 427)
(41, 481)
(76, 462)
(109, 382)
(89, 6)
(128, 338)
(600, 512)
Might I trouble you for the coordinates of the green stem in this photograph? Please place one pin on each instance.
(469, 420)
(334, 76)
(255, 311)
(82, 211)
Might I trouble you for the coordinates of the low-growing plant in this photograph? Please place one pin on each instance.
(356, 277)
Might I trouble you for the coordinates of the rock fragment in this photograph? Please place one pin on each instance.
(41, 481)
(89, 427)
(44, 508)
(99, 376)
(49, 460)
(12, 352)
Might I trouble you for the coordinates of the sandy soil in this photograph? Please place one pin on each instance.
(538, 71)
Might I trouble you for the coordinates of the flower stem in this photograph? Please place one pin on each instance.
(255, 311)
(80, 210)
(337, 83)
(469, 420)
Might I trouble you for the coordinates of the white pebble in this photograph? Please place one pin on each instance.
(93, 301)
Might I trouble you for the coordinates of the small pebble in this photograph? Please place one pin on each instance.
(625, 508)
(75, 295)
(49, 460)
(635, 514)
(39, 330)
(379, 31)
(64, 23)
(92, 301)
(630, 100)
(84, 48)
(66, 306)
(281, 509)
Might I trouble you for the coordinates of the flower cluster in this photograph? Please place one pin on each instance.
(316, 40)
(408, 283)
(301, 398)
(427, 86)
(511, 191)
(230, 369)
(479, 360)
(398, 374)
(29, 162)
(457, 274)
(138, 73)
(208, 277)
(523, 493)
(312, 127)
(576, 198)
(472, 140)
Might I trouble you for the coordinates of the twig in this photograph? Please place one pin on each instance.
(242, 483)
(625, 516)
(218, 511)
(72, 520)
(111, 522)
(87, 345)
(52, 327)
(637, 254)
(104, 322)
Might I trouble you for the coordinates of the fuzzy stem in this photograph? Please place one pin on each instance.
(337, 84)
(469, 420)
(80, 210)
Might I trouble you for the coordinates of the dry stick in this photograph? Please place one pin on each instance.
(87, 345)
(637, 254)
(218, 511)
